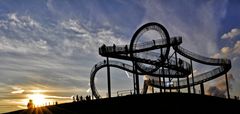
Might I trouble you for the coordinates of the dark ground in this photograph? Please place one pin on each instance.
(165, 103)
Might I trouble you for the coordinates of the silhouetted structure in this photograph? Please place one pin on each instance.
(172, 72)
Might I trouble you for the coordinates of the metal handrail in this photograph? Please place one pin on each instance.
(125, 48)
(200, 58)
(224, 64)
(128, 92)
(124, 66)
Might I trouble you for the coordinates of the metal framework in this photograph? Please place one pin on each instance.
(152, 58)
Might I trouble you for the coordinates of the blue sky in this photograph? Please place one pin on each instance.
(52, 45)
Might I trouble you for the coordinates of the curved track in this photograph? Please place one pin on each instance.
(122, 52)
(224, 67)
(125, 67)
(160, 64)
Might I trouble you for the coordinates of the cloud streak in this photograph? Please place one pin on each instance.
(53, 45)
(233, 33)
(57, 57)
(195, 26)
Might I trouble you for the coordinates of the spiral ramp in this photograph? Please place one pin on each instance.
(163, 65)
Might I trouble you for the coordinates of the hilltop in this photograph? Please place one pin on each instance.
(172, 103)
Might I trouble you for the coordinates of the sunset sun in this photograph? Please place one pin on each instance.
(38, 99)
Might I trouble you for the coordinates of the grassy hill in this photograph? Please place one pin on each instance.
(170, 103)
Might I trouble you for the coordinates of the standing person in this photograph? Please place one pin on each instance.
(73, 98)
(81, 98)
(30, 104)
(153, 42)
(114, 48)
(77, 98)
(126, 50)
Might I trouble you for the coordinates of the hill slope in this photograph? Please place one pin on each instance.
(172, 103)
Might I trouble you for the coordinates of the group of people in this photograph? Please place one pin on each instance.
(80, 98)
(76, 98)
(31, 105)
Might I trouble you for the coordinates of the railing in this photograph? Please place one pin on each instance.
(224, 64)
(125, 48)
(197, 79)
(125, 92)
(100, 65)
(200, 58)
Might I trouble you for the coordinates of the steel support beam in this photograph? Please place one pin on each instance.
(202, 89)
(137, 82)
(194, 91)
(188, 85)
(227, 87)
(170, 90)
(160, 88)
(135, 79)
(108, 79)
(178, 88)
(164, 83)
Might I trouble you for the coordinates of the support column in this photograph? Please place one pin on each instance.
(194, 91)
(178, 88)
(134, 83)
(160, 83)
(108, 79)
(137, 82)
(188, 85)
(152, 89)
(135, 79)
(169, 79)
(170, 90)
(202, 89)
(164, 83)
(227, 87)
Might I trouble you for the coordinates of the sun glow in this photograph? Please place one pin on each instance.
(38, 99)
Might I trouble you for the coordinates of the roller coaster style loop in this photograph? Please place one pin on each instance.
(152, 58)
(136, 46)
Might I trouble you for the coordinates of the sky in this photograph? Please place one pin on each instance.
(50, 46)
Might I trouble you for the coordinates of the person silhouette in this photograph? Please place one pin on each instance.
(81, 98)
(77, 98)
(114, 48)
(30, 104)
(74, 99)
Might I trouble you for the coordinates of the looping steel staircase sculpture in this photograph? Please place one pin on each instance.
(147, 61)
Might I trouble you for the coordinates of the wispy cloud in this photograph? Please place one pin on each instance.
(84, 37)
(17, 90)
(195, 26)
(25, 46)
(21, 22)
(51, 58)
